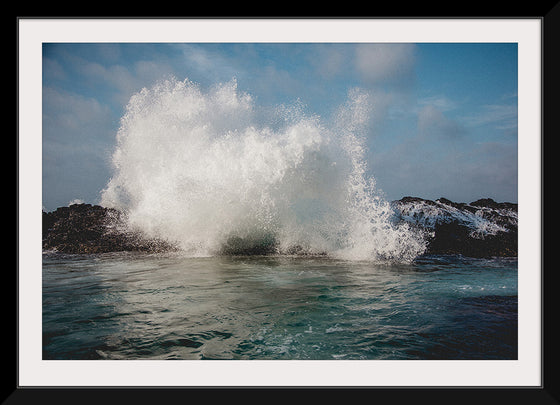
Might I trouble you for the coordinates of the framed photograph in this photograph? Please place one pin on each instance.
(307, 203)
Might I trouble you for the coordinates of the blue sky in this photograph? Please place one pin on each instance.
(444, 118)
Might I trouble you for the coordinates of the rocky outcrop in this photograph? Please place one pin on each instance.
(483, 228)
(86, 228)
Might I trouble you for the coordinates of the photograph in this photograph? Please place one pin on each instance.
(281, 201)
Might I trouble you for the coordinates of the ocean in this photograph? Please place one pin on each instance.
(277, 307)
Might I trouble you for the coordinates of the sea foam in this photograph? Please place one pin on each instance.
(215, 173)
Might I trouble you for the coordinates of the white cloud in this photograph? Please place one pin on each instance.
(330, 60)
(432, 121)
(439, 101)
(204, 63)
(66, 114)
(461, 174)
(76, 137)
(378, 63)
(123, 81)
(52, 69)
(500, 116)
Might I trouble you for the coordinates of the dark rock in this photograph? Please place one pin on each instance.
(249, 246)
(86, 228)
(449, 202)
(490, 203)
(483, 228)
(408, 199)
(454, 238)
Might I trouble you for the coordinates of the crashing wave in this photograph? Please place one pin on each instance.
(214, 172)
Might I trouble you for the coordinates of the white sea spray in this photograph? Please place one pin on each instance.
(204, 170)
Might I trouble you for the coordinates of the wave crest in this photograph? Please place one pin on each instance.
(216, 174)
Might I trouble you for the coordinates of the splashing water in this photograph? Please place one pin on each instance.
(200, 169)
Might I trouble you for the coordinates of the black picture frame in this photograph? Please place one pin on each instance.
(548, 393)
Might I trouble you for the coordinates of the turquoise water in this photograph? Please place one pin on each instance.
(140, 306)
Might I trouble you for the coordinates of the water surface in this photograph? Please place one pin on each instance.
(140, 306)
